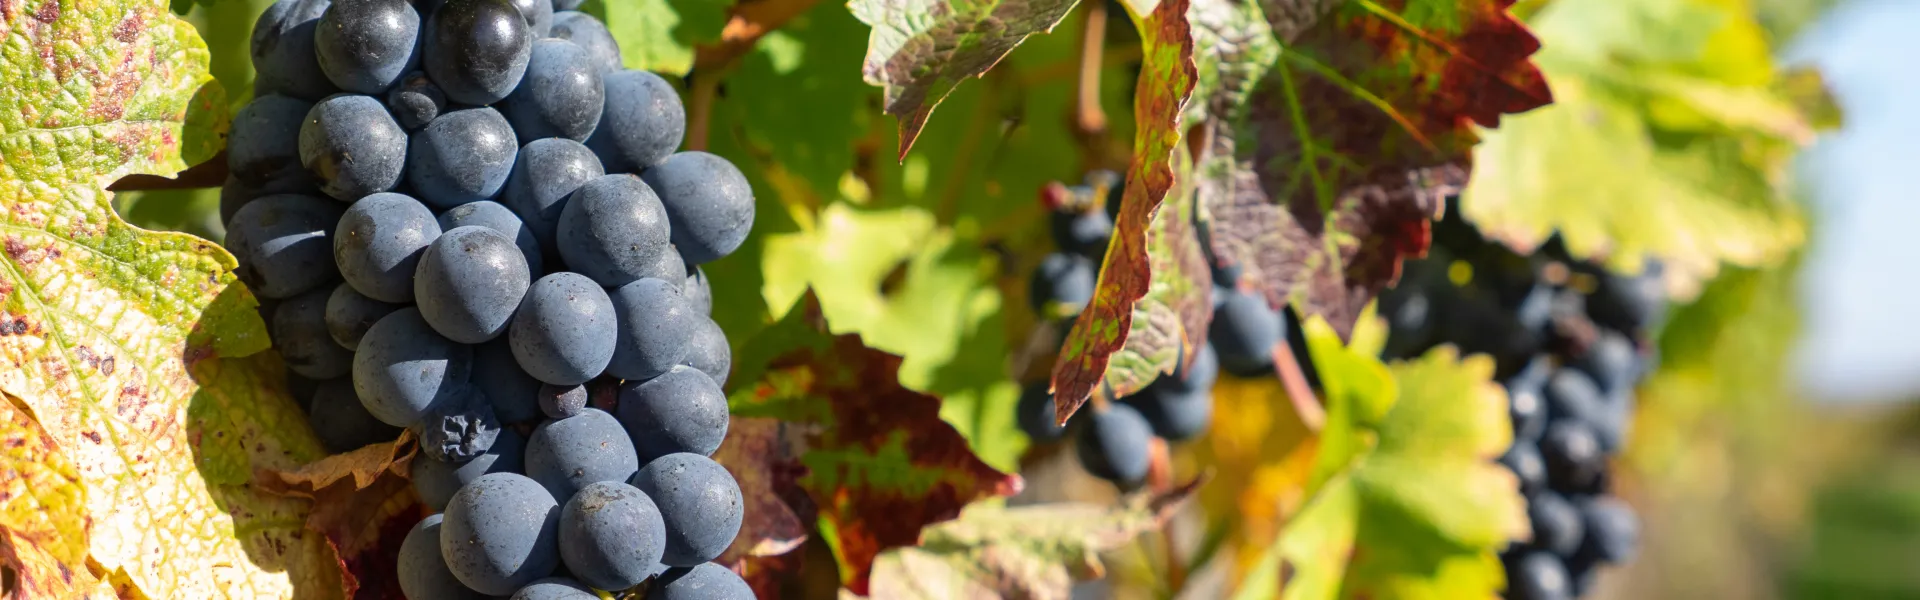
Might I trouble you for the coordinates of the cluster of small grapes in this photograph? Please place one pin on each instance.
(462, 215)
(1568, 339)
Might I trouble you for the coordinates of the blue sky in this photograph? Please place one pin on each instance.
(1862, 284)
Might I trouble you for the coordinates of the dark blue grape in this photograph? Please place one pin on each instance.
(477, 50)
(341, 421)
(708, 202)
(1572, 395)
(707, 581)
(300, 333)
(568, 454)
(379, 242)
(1036, 414)
(352, 146)
(612, 229)
(1180, 405)
(1526, 399)
(565, 331)
(1555, 522)
(655, 325)
(700, 503)
(264, 146)
(682, 410)
(562, 401)
(415, 101)
(1538, 575)
(669, 266)
(423, 573)
(709, 352)
(492, 215)
(581, 28)
(462, 156)
(699, 292)
(501, 533)
(437, 480)
(1062, 285)
(1613, 361)
(642, 123)
(1613, 532)
(1523, 458)
(562, 95)
(1083, 232)
(284, 58)
(611, 535)
(555, 588)
(1113, 444)
(539, 16)
(469, 283)
(560, 5)
(236, 193)
(365, 46)
(514, 393)
(544, 175)
(403, 367)
(282, 246)
(1573, 455)
(1629, 302)
(460, 427)
(349, 314)
(1245, 330)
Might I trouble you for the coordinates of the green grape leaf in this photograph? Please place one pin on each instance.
(661, 35)
(1684, 96)
(920, 50)
(1319, 180)
(125, 345)
(43, 523)
(1033, 551)
(880, 464)
(1126, 276)
(1404, 499)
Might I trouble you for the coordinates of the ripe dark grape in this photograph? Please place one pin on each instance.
(500, 533)
(477, 50)
(655, 325)
(560, 5)
(708, 201)
(1538, 575)
(403, 367)
(282, 245)
(423, 573)
(562, 95)
(707, 581)
(341, 421)
(568, 454)
(1524, 459)
(283, 51)
(668, 266)
(352, 146)
(437, 480)
(364, 46)
(612, 229)
(264, 147)
(642, 123)
(492, 215)
(349, 314)
(544, 175)
(378, 244)
(554, 588)
(1063, 283)
(1245, 331)
(1035, 413)
(679, 411)
(539, 16)
(1613, 532)
(1612, 361)
(1556, 523)
(700, 503)
(1573, 455)
(1113, 444)
(1082, 232)
(707, 351)
(462, 156)
(562, 401)
(611, 535)
(699, 293)
(469, 283)
(1526, 399)
(460, 427)
(236, 193)
(415, 101)
(1179, 406)
(1630, 302)
(497, 373)
(300, 332)
(581, 28)
(566, 330)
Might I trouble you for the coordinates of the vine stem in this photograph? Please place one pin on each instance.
(700, 109)
(1294, 382)
(1089, 120)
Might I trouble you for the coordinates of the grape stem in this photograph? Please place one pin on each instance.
(1294, 382)
(211, 173)
(700, 111)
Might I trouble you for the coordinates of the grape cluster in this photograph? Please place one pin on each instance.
(1570, 340)
(462, 216)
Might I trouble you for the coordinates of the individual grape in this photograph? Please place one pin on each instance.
(349, 314)
(300, 332)
(492, 215)
(1573, 455)
(437, 480)
(562, 401)
(611, 535)
(1570, 394)
(477, 50)
(545, 174)
(364, 46)
(264, 144)
(1082, 232)
(1180, 405)
(403, 367)
(700, 503)
(1555, 522)
(1035, 413)
(1526, 399)
(1613, 532)
(560, 5)
(566, 330)
(1613, 361)
(378, 244)
(680, 411)
(1538, 575)
(554, 588)
(706, 581)
(1523, 458)
(284, 57)
(423, 573)
(462, 156)
(1113, 445)
(352, 146)
(1629, 302)
(469, 283)
(341, 421)
(642, 123)
(514, 393)
(460, 427)
(501, 533)
(415, 101)
(699, 293)
(668, 266)
(281, 244)
(581, 28)
(708, 202)
(539, 16)
(568, 454)
(1062, 284)
(709, 352)
(612, 229)
(1244, 331)
(236, 193)
(562, 95)
(654, 327)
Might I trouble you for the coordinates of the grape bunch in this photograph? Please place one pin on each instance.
(1571, 341)
(462, 217)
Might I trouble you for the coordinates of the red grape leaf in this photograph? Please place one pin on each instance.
(364, 465)
(764, 465)
(880, 464)
(1166, 83)
(365, 526)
